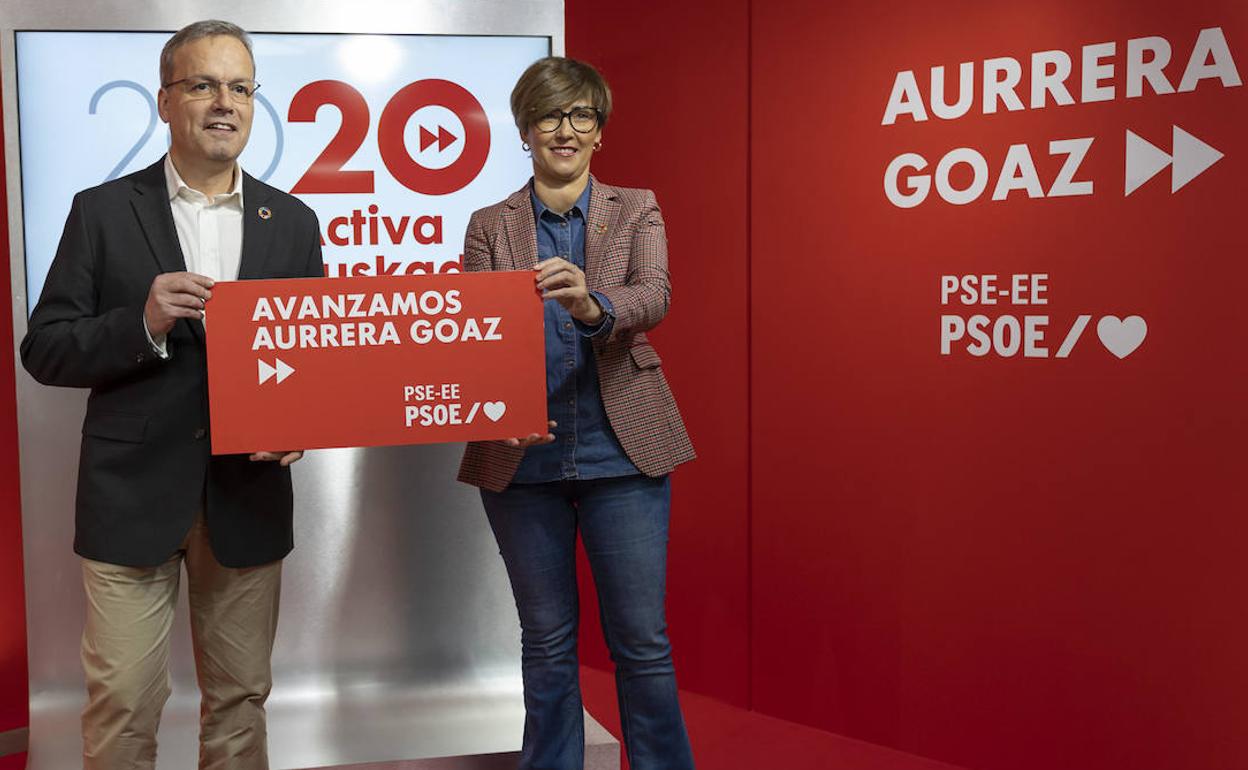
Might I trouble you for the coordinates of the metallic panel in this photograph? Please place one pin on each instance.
(398, 638)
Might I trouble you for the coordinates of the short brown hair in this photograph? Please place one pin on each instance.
(554, 81)
(196, 31)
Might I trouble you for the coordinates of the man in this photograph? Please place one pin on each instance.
(122, 314)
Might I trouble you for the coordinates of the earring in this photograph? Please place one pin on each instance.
(597, 146)
(524, 146)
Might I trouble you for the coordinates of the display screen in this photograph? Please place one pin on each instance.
(394, 140)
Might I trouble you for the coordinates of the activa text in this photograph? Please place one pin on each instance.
(371, 228)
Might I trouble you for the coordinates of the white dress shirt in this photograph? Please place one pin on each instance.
(210, 231)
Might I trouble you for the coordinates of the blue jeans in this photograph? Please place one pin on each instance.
(623, 523)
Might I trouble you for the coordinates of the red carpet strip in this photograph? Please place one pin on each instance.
(729, 738)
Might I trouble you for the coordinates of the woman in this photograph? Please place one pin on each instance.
(599, 257)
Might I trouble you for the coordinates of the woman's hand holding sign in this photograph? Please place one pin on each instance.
(532, 439)
(560, 280)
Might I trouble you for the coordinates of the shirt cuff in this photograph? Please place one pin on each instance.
(159, 345)
(603, 327)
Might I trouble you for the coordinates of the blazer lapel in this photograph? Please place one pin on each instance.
(521, 229)
(604, 211)
(257, 229)
(151, 205)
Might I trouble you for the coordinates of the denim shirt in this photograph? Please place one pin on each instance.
(585, 447)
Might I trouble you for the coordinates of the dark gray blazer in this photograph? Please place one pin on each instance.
(145, 468)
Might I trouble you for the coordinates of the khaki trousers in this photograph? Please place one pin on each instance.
(125, 654)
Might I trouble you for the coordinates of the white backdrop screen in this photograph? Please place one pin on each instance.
(394, 140)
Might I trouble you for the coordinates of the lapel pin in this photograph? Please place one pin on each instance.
(602, 229)
(265, 213)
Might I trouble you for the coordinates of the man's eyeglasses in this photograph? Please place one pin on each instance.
(582, 119)
(240, 91)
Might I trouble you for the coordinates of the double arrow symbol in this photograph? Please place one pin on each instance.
(444, 138)
(1145, 160)
(280, 369)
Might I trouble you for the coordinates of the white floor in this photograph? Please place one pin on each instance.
(369, 729)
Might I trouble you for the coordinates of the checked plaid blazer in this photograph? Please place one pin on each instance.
(626, 260)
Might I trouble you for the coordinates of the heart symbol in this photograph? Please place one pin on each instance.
(1121, 337)
(494, 410)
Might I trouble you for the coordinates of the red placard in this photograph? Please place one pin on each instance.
(309, 363)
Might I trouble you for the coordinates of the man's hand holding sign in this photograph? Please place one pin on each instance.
(173, 296)
(185, 295)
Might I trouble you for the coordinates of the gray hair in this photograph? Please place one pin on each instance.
(197, 31)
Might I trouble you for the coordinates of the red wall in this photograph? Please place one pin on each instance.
(1003, 563)
(999, 562)
(680, 128)
(13, 691)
